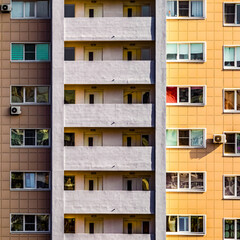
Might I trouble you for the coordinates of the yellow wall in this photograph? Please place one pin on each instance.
(211, 117)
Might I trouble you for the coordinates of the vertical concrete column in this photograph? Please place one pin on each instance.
(58, 120)
(160, 124)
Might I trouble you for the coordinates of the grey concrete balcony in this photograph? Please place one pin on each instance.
(106, 158)
(109, 72)
(108, 236)
(109, 29)
(109, 202)
(109, 115)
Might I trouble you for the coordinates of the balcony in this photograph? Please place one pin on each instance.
(109, 115)
(109, 28)
(109, 72)
(109, 202)
(107, 236)
(106, 158)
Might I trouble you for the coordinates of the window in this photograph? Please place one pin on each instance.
(69, 182)
(186, 52)
(69, 139)
(69, 10)
(232, 145)
(30, 95)
(231, 229)
(30, 138)
(186, 181)
(30, 181)
(37, 9)
(69, 54)
(185, 225)
(69, 225)
(185, 9)
(231, 57)
(231, 186)
(231, 13)
(30, 223)
(194, 138)
(186, 95)
(36, 52)
(69, 96)
(231, 100)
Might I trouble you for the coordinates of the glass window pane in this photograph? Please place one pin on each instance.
(238, 143)
(16, 223)
(196, 8)
(183, 95)
(171, 51)
(171, 95)
(69, 139)
(29, 94)
(230, 143)
(197, 181)
(229, 56)
(17, 51)
(69, 182)
(238, 100)
(29, 137)
(69, 10)
(145, 140)
(171, 223)
(42, 52)
(183, 224)
(145, 11)
(183, 8)
(30, 180)
(238, 186)
(145, 184)
(196, 51)
(69, 53)
(29, 51)
(69, 225)
(69, 96)
(238, 14)
(17, 95)
(197, 224)
(42, 94)
(29, 222)
(16, 180)
(17, 9)
(42, 9)
(196, 137)
(171, 9)
(196, 95)
(184, 180)
(229, 189)
(238, 56)
(171, 180)
(42, 223)
(229, 229)
(43, 137)
(183, 137)
(229, 100)
(183, 51)
(29, 9)
(171, 137)
(43, 180)
(16, 137)
(238, 229)
(229, 13)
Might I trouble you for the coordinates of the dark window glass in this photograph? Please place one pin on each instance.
(129, 185)
(196, 224)
(183, 8)
(69, 182)
(69, 139)
(91, 12)
(230, 13)
(69, 225)
(230, 144)
(146, 97)
(91, 183)
(183, 137)
(129, 55)
(129, 97)
(196, 95)
(183, 95)
(69, 54)
(42, 9)
(69, 10)
(29, 94)
(145, 140)
(197, 181)
(16, 180)
(229, 186)
(69, 96)
(90, 141)
(17, 223)
(43, 223)
(130, 228)
(29, 51)
(42, 180)
(90, 56)
(145, 184)
(29, 137)
(172, 181)
(238, 186)
(129, 12)
(29, 222)
(17, 94)
(91, 98)
(145, 227)
(43, 137)
(91, 228)
(184, 180)
(238, 21)
(129, 141)
(171, 223)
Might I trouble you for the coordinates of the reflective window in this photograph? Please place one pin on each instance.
(232, 145)
(231, 13)
(232, 186)
(231, 57)
(69, 182)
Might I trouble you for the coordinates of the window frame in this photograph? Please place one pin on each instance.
(235, 100)
(235, 19)
(31, 146)
(184, 147)
(30, 232)
(30, 189)
(35, 43)
(35, 11)
(189, 17)
(189, 222)
(189, 52)
(189, 100)
(35, 95)
(178, 189)
(235, 228)
(235, 187)
(231, 154)
(235, 58)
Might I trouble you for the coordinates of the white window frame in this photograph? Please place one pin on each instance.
(189, 17)
(31, 146)
(189, 99)
(235, 20)
(178, 189)
(35, 214)
(235, 228)
(235, 186)
(189, 52)
(235, 100)
(35, 95)
(35, 11)
(235, 58)
(30, 189)
(189, 146)
(35, 43)
(189, 222)
(231, 154)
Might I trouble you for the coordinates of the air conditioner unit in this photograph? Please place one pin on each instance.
(5, 8)
(15, 110)
(219, 138)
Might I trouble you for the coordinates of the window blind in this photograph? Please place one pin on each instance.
(171, 48)
(171, 137)
(42, 51)
(17, 51)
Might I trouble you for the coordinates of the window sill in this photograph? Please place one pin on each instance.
(33, 18)
(185, 233)
(231, 111)
(188, 191)
(31, 190)
(231, 198)
(186, 147)
(187, 104)
(186, 61)
(30, 146)
(29, 61)
(29, 104)
(186, 18)
(231, 68)
(231, 154)
(231, 25)
(31, 232)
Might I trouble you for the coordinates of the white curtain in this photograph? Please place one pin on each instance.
(17, 9)
(171, 8)
(171, 48)
(183, 51)
(229, 54)
(197, 9)
(196, 48)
